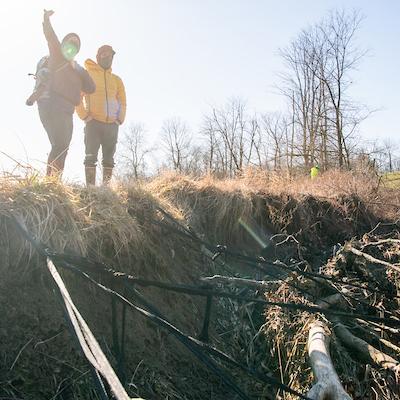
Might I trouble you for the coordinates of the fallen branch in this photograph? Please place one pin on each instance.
(378, 327)
(328, 385)
(373, 259)
(364, 349)
(380, 242)
(381, 340)
(288, 237)
(237, 281)
(376, 356)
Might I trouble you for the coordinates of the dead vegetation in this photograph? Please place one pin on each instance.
(327, 226)
(364, 354)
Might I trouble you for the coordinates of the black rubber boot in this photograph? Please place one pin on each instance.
(90, 173)
(107, 174)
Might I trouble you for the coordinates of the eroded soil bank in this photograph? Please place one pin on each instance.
(125, 228)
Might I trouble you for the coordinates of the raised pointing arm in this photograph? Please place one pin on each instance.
(50, 35)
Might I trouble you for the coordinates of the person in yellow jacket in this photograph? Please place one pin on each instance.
(103, 112)
(314, 172)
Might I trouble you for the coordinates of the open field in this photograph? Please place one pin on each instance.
(391, 180)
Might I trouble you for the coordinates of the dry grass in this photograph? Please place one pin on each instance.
(277, 204)
(113, 226)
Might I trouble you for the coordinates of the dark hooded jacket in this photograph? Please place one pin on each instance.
(68, 79)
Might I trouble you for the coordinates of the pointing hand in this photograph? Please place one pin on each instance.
(47, 13)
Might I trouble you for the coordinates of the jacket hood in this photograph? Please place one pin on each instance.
(93, 66)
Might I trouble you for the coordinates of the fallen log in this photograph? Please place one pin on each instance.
(328, 385)
(381, 340)
(365, 350)
(373, 260)
(360, 346)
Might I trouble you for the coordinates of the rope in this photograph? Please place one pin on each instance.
(99, 267)
(258, 262)
(87, 342)
(93, 352)
(85, 339)
(191, 343)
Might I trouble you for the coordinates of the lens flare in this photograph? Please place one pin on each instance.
(69, 51)
(252, 233)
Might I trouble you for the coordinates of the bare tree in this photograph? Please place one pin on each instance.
(213, 158)
(276, 130)
(255, 155)
(384, 153)
(133, 151)
(233, 138)
(390, 151)
(319, 64)
(340, 56)
(303, 91)
(176, 140)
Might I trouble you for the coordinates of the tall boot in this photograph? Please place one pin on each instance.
(49, 169)
(90, 173)
(55, 165)
(107, 174)
(55, 168)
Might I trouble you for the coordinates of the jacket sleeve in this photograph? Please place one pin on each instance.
(83, 110)
(51, 37)
(88, 85)
(121, 97)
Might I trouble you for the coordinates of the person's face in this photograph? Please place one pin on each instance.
(105, 59)
(70, 48)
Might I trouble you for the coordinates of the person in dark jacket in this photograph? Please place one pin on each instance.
(57, 102)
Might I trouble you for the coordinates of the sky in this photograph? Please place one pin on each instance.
(178, 58)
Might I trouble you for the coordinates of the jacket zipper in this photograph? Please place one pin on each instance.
(105, 84)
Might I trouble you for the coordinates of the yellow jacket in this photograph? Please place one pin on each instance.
(108, 102)
(314, 172)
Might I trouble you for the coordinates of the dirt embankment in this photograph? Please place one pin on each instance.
(124, 228)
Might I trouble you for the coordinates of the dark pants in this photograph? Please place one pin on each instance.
(58, 125)
(100, 134)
